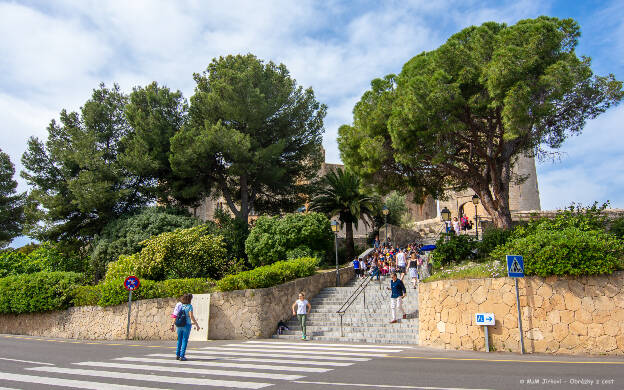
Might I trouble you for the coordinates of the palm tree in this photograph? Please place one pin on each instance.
(340, 195)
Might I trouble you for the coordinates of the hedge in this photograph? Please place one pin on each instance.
(37, 292)
(44, 257)
(113, 293)
(269, 275)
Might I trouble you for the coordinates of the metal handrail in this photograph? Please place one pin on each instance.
(361, 289)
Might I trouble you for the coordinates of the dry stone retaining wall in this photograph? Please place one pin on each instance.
(238, 314)
(562, 315)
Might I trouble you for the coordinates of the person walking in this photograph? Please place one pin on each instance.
(356, 267)
(396, 298)
(401, 263)
(183, 320)
(456, 226)
(303, 307)
(413, 269)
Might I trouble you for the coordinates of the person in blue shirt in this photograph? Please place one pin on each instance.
(396, 299)
(356, 267)
(184, 331)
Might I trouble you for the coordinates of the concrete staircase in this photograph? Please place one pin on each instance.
(364, 324)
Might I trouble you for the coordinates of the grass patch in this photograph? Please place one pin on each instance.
(469, 270)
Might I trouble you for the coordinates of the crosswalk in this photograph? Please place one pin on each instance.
(244, 365)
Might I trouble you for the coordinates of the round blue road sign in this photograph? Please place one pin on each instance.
(131, 283)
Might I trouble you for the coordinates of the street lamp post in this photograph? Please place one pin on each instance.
(385, 212)
(335, 228)
(446, 217)
(475, 201)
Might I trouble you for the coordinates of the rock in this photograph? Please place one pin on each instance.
(578, 328)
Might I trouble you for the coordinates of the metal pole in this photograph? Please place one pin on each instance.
(487, 339)
(519, 318)
(129, 310)
(364, 291)
(476, 223)
(337, 273)
(386, 228)
(341, 334)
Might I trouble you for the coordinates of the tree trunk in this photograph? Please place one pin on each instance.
(244, 210)
(350, 247)
(496, 206)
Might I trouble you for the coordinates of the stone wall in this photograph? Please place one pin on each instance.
(398, 235)
(562, 315)
(246, 314)
(150, 321)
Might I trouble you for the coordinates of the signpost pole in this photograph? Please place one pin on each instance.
(487, 339)
(519, 318)
(129, 310)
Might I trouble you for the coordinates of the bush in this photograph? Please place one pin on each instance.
(183, 253)
(492, 238)
(453, 250)
(113, 292)
(272, 237)
(37, 292)
(45, 257)
(617, 227)
(571, 251)
(269, 275)
(123, 236)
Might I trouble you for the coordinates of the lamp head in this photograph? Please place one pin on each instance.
(475, 199)
(385, 210)
(334, 226)
(446, 214)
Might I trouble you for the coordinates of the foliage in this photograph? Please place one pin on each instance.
(101, 163)
(234, 233)
(269, 275)
(340, 195)
(272, 238)
(253, 136)
(397, 207)
(567, 251)
(11, 203)
(46, 257)
(183, 253)
(453, 250)
(155, 114)
(617, 227)
(37, 292)
(112, 292)
(469, 270)
(492, 238)
(123, 235)
(460, 116)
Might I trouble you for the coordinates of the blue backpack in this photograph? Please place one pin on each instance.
(181, 318)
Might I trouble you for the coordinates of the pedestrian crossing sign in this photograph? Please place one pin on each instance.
(515, 266)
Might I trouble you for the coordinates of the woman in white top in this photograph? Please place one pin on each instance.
(456, 226)
(303, 308)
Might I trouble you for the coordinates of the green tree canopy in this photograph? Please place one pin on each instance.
(108, 160)
(340, 195)
(460, 116)
(253, 137)
(11, 203)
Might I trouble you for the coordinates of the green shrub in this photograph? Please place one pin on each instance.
(183, 253)
(123, 236)
(112, 292)
(570, 251)
(272, 237)
(269, 275)
(453, 250)
(492, 238)
(617, 227)
(37, 292)
(43, 257)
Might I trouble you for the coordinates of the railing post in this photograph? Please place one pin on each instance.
(341, 333)
(364, 297)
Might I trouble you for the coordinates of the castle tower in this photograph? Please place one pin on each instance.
(524, 196)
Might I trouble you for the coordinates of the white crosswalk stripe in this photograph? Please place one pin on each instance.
(358, 346)
(224, 366)
(252, 360)
(312, 347)
(299, 349)
(153, 378)
(283, 354)
(199, 371)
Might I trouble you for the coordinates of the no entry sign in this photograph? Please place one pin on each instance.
(131, 283)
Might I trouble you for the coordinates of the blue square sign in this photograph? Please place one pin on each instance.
(515, 266)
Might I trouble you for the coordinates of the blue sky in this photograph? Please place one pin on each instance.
(53, 53)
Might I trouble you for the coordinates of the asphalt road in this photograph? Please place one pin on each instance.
(41, 363)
